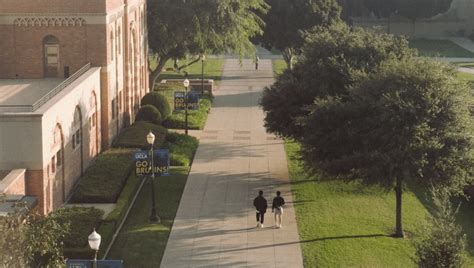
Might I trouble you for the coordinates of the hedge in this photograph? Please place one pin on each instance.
(159, 102)
(182, 148)
(196, 119)
(104, 179)
(81, 221)
(135, 135)
(149, 113)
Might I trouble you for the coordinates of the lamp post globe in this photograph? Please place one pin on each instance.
(94, 243)
(150, 138)
(186, 83)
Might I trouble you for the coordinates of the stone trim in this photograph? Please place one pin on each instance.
(49, 22)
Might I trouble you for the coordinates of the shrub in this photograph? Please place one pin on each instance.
(104, 179)
(159, 102)
(81, 222)
(182, 148)
(149, 113)
(443, 245)
(135, 135)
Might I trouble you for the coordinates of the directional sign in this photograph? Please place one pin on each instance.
(161, 162)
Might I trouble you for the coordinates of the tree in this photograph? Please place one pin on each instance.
(408, 121)
(29, 240)
(333, 60)
(176, 28)
(287, 20)
(444, 243)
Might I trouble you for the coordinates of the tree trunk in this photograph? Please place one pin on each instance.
(188, 64)
(288, 57)
(154, 74)
(398, 221)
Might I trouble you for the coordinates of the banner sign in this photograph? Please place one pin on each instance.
(161, 162)
(193, 100)
(180, 100)
(89, 264)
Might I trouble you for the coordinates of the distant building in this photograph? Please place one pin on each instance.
(72, 74)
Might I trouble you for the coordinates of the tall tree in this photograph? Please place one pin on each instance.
(332, 61)
(176, 28)
(287, 20)
(409, 121)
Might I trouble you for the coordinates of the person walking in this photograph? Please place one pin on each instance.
(260, 204)
(256, 62)
(277, 209)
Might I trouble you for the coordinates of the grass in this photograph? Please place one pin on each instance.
(139, 238)
(134, 136)
(104, 179)
(439, 48)
(347, 224)
(465, 64)
(279, 66)
(212, 69)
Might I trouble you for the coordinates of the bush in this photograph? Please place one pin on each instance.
(443, 245)
(104, 179)
(182, 148)
(159, 102)
(196, 119)
(149, 113)
(135, 135)
(81, 223)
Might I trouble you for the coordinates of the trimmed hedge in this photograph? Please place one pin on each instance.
(182, 148)
(135, 135)
(104, 179)
(196, 119)
(150, 114)
(81, 221)
(159, 102)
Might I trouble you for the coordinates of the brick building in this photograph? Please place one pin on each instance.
(72, 74)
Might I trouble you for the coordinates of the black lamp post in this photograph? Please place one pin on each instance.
(94, 242)
(150, 138)
(186, 85)
(203, 58)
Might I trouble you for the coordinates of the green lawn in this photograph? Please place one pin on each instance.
(465, 64)
(439, 48)
(212, 69)
(141, 244)
(278, 66)
(347, 224)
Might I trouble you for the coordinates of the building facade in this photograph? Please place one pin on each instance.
(72, 74)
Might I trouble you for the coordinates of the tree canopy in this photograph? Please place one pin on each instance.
(407, 121)
(333, 60)
(176, 28)
(287, 20)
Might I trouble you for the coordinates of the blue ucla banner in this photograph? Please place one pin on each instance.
(180, 100)
(161, 162)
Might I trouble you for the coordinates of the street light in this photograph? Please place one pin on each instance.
(94, 243)
(203, 58)
(150, 138)
(186, 85)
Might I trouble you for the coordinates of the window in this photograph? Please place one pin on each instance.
(51, 56)
(53, 164)
(119, 40)
(93, 119)
(76, 139)
(58, 159)
(112, 44)
(113, 109)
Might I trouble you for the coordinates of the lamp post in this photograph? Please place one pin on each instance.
(203, 58)
(186, 85)
(150, 138)
(94, 243)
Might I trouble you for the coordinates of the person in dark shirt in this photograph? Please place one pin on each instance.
(260, 204)
(277, 209)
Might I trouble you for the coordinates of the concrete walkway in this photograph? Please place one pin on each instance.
(215, 225)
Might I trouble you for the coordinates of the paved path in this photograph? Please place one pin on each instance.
(215, 225)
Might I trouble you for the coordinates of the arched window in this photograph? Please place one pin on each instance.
(76, 129)
(112, 44)
(51, 56)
